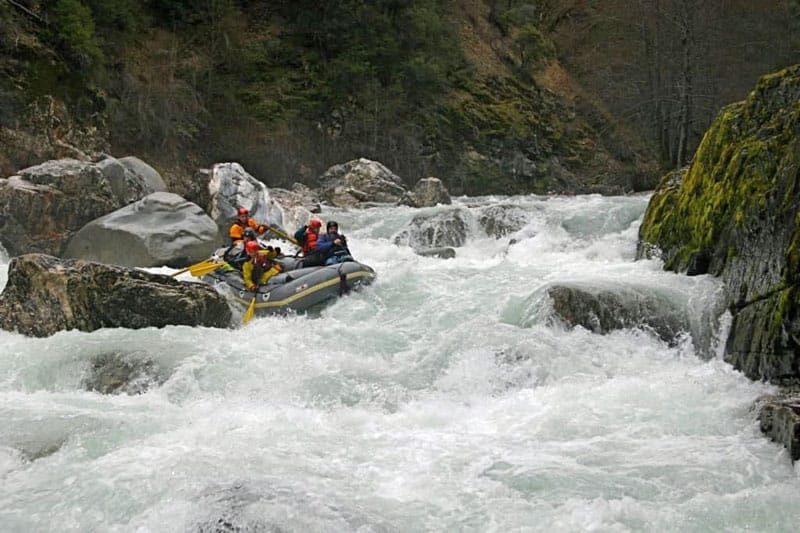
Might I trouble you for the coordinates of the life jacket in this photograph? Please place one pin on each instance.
(253, 271)
(310, 242)
(237, 228)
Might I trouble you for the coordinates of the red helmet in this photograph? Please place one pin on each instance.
(251, 246)
(315, 223)
(243, 211)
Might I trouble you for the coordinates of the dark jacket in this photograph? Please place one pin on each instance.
(328, 248)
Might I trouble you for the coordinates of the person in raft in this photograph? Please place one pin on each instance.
(242, 222)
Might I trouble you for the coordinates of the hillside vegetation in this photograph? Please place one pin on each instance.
(470, 91)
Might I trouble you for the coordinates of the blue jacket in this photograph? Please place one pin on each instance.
(327, 248)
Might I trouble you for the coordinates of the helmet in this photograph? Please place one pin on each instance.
(332, 224)
(251, 246)
(243, 211)
(315, 223)
(250, 233)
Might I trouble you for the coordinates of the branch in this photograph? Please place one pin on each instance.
(28, 12)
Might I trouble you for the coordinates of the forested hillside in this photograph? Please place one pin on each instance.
(474, 92)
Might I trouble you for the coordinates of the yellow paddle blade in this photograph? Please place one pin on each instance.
(201, 269)
(192, 268)
(251, 309)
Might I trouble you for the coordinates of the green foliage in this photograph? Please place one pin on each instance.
(118, 21)
(72, 28)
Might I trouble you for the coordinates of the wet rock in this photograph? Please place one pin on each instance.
(442, 229)
(444, 252)
(501, 220)
(129, 373)
(739, 205)
(44, 295)
(602, 311)
(779, 419)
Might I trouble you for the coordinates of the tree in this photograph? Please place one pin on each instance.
(668, 66)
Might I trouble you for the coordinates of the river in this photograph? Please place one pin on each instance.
(444, 397)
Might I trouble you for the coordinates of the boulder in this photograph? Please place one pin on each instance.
(144, 174)
(45, 295)
(160, 229)
(230, 188)
(130, 178)
(602, 311)
(779, 419)
(429, 192)
(361, 182)
(503, 219)
(436, 230)
(43, 206)
(298, 204)
(735, 213)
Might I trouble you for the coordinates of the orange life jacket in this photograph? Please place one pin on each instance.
(237, 229)
(311, 242)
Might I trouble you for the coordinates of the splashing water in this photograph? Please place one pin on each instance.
(442, 398)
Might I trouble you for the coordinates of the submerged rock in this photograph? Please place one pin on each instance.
(45, 295)
(443, 252)
(602, 311)
(129, 373)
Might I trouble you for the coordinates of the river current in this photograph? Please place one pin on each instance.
(444, 397)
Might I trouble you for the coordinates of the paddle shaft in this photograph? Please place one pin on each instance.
(284, 235)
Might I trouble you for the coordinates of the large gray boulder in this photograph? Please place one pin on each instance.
(361, 182)
(45, 295)
(160, 229)
(231, 187)
(130, 178)
(41, 207)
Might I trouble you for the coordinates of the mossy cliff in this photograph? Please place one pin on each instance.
(735, 213)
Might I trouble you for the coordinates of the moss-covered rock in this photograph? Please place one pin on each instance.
(738, 206)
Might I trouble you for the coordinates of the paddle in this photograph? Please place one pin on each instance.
(283, 235)
(251, 309)
(192, 268)
(207, 268)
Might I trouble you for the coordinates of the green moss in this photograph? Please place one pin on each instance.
(731, 179)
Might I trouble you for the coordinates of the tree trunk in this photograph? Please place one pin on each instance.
(686, 87)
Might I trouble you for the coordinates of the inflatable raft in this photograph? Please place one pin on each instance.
(297, 288)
